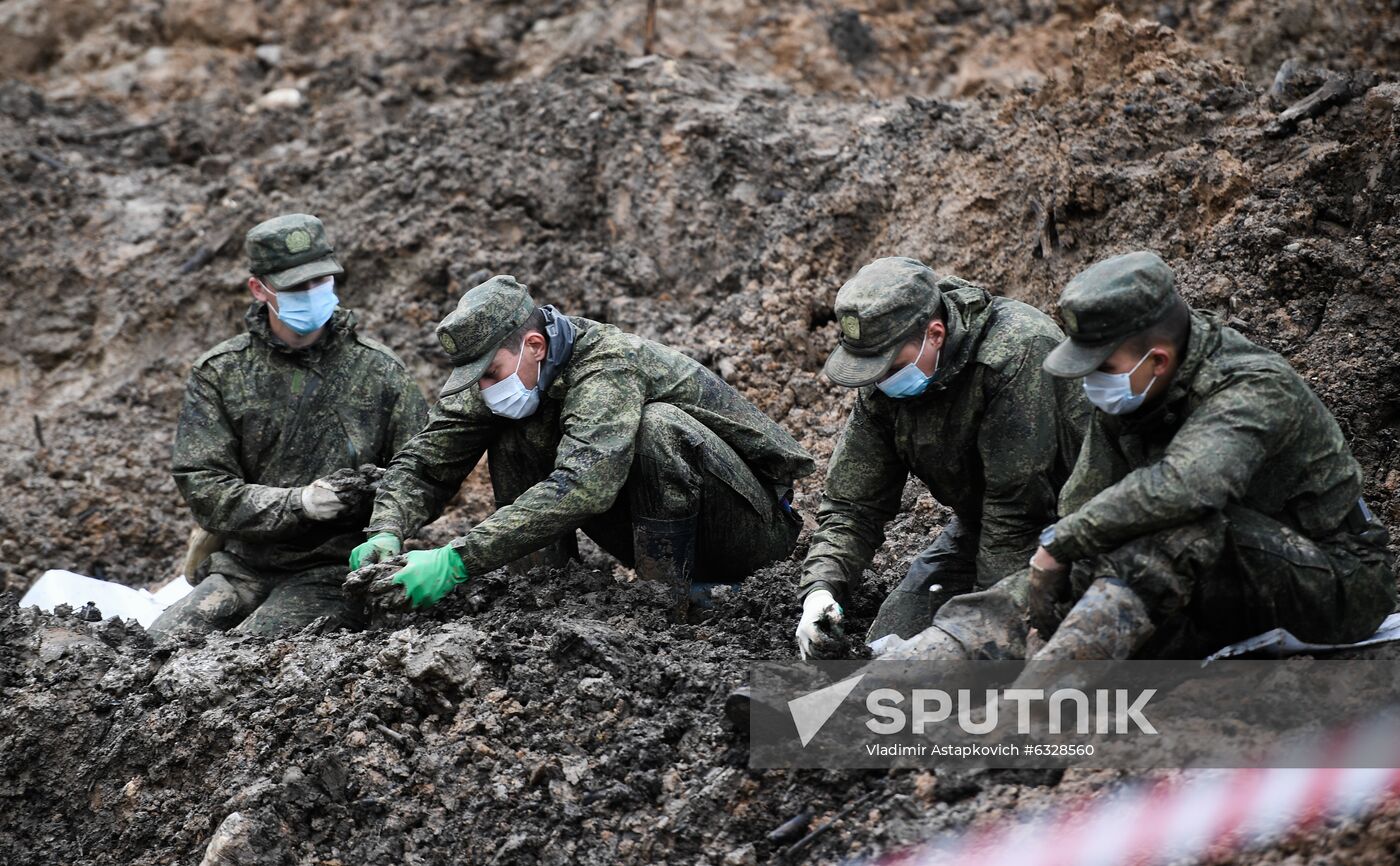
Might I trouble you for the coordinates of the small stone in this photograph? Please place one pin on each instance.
(270, 55)
(281, 99)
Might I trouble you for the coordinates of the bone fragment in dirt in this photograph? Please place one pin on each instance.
(1335, 91)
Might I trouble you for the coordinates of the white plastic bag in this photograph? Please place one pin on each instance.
(57, 587)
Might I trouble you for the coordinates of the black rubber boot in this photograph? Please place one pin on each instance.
(665, 552)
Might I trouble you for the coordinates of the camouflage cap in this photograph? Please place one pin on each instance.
(484, 318)
(290, 249)
(878, 310)
(1107, 303)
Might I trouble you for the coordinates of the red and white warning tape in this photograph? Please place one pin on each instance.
(1198, 815)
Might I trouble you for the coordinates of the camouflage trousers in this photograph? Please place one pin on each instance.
(248, 604)
(681, 469)
(950, 563)
(1228, 577)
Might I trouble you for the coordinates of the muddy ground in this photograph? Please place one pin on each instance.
(714, 196)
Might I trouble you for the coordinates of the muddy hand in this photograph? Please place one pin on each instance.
(429, 575)
(355, 487)
(373, 582)
(202, 545)
(379, 547)
(820, 623)
(1048, 588)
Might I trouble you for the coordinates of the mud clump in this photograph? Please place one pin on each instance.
(713, 196)
(356, 486)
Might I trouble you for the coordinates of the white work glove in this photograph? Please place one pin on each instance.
(821, 620)
(320, 502)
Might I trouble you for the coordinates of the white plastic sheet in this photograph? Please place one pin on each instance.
(57, 587)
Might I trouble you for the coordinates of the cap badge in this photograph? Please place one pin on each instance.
(447, 342)
(298, 241)
(1071, 323)
(850, 326)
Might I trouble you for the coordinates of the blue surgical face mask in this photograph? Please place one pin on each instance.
(307, 310)
(909, 380)
(1113, 392)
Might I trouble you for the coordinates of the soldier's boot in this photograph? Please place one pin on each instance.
(1109, 622)
(218, 602)
(665, 552)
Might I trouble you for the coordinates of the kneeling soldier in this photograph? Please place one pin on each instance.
(1215, 497)
(967, 410)
(275, 421)
(656, 458)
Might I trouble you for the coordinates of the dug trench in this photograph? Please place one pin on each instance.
(714, 197)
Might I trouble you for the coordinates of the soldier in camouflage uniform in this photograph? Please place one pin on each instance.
(652, 455)
(1215, 497)
(268, 415)
(968, 411)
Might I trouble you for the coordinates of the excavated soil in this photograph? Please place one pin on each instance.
(713, 195)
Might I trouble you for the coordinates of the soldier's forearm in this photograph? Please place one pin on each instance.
(825, 571)
(405, 503)
(249, 512)
(558, 504)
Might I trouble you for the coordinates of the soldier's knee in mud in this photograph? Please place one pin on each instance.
(216, 603)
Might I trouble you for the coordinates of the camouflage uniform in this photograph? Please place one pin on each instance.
(259, 421)
(1231, 508)
(992, 438)
(626, 429)
(1228, 507)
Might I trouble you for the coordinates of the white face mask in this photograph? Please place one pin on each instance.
(1113, 392)
(509, 397)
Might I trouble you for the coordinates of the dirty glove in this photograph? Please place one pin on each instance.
(380, 547)
(1048, 588)
(202, 545)
(821, 620)
(320, 501)
(428, 575)
(356, 487)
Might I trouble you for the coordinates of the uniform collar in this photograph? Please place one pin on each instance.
(966, 313)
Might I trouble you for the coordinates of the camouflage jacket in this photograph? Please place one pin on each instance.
(992, 438)
(1238, 425)
(598, 395)
(260, 420)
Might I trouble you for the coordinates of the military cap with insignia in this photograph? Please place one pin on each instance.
(485, 317)
(879, 310)
(288, 250)
(1107, 303)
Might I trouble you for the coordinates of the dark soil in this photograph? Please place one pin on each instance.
(713, 197)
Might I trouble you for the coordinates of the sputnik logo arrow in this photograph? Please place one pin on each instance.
(811, 711)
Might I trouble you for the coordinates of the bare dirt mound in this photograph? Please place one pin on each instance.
(713, 197)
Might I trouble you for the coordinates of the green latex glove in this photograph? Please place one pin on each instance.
(380, 546)
(430, 574)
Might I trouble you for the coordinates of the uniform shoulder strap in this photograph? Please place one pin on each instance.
(232, 344)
